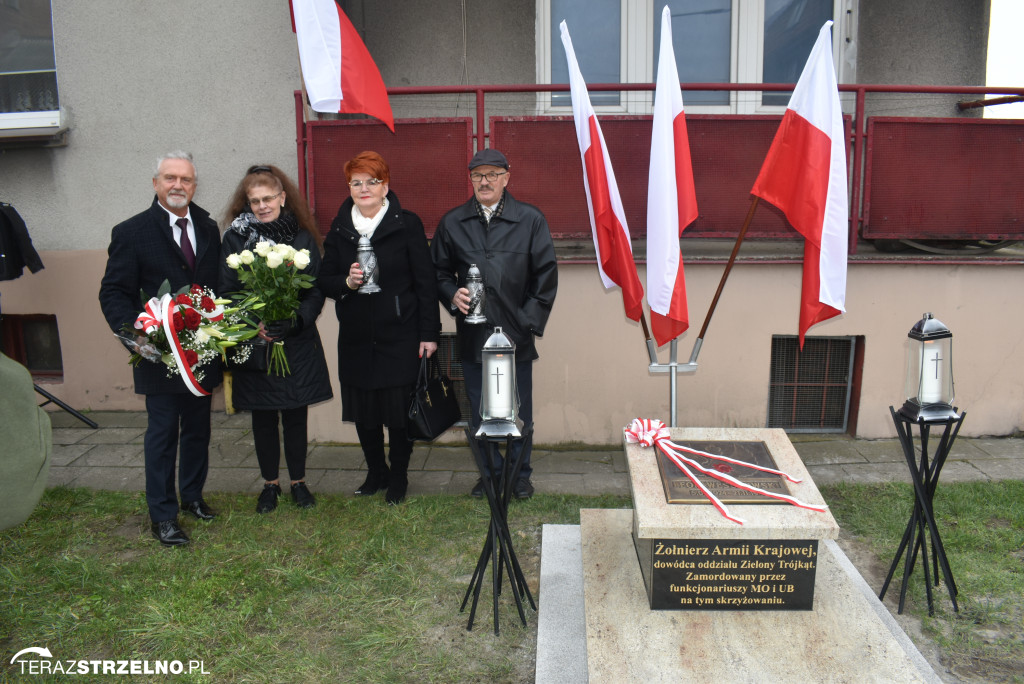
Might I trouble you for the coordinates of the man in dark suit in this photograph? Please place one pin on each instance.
(177, 241)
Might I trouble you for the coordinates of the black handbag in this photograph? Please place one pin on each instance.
(434, 407)
(250, 355)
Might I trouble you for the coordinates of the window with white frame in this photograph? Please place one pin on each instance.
(28, 69)
(715, 41)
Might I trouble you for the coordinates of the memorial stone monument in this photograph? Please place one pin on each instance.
(677, 592)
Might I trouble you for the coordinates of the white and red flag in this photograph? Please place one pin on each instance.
(804, 175)
(339, 74)
(671, 199)
(607, 218)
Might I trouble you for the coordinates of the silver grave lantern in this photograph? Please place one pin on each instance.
(367, 261)
(475, 285)
(499, 400)
(929, 388)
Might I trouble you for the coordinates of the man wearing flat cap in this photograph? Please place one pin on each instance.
(510, 243)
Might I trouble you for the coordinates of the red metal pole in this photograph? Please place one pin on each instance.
(480, 119)
(300, 143)
(856, 214)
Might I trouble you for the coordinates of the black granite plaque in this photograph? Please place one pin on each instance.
(728, 574)
(680, 490)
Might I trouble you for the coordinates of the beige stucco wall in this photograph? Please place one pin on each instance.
(592, 376)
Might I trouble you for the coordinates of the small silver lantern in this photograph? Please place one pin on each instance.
(475, 285)
(929, 388)
(368, 265)
(499, 400)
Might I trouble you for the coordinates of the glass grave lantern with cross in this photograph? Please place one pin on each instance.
(499, 400)
(929, 388)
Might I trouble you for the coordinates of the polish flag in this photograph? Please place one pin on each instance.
(804, 175)
(339, 74)
(607, 219)
(671, 199)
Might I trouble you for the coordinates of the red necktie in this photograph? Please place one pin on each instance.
(186, 244)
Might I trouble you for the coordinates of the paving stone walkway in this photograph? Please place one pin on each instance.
(111, 457)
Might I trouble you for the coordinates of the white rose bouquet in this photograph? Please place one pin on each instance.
(272, 278)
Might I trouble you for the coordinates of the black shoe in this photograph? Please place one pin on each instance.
(523, 488)
(268, 498)
(200, 510)
(478, 489)
(396, 493)
(374, 483)
(169, 533)
(301, 495)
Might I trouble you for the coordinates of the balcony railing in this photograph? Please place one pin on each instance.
(918, 178)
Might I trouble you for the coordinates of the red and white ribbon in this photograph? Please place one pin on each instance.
(647, 432)
(149, 319)
(166, 302)
(213, 316)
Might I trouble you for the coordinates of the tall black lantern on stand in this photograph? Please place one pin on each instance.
(499, 405)
(929, 403)
(929, 389)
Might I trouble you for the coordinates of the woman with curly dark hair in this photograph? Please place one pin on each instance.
(267, 207)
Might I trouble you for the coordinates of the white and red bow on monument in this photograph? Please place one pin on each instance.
(647, 432)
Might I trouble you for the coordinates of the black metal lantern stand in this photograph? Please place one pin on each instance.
(929, 404)
(498, 410)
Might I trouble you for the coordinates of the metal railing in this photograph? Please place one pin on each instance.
(1001, 218)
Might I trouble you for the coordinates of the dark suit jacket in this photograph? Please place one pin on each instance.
(142, 254)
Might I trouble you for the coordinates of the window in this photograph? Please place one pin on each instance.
(34, 342)
(715, 41)
(811, 389)
(28, 69)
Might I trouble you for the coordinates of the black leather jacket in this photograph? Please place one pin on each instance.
(516, 257)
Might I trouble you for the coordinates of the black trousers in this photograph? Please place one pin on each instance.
(371, 439)
(268, 448)
(173, 420)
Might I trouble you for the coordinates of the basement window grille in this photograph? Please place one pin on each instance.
(33, 341)
(810, 389)
(448, 359)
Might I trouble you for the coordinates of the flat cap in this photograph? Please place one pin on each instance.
(488, 157)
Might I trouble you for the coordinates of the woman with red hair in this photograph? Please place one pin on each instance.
(381, 336)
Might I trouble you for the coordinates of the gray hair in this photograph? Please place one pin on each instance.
(176, 154)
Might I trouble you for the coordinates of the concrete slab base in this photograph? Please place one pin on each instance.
(561, 628)
(849, 636)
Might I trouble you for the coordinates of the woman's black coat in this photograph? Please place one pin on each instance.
(309, 381)
(379, 334)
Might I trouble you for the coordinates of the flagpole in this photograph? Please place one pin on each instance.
(673, 367)
(725, 276)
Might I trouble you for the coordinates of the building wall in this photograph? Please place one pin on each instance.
(140, 79)
(922, 42)
(592, 378)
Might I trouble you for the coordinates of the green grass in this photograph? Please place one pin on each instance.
(352, 590)
(982, 529)
(356, 591)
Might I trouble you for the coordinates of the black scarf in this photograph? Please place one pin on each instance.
(281, 231)
(494, 214)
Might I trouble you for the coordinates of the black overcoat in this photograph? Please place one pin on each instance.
(379, 334)
(309, 381)
(142, 254)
